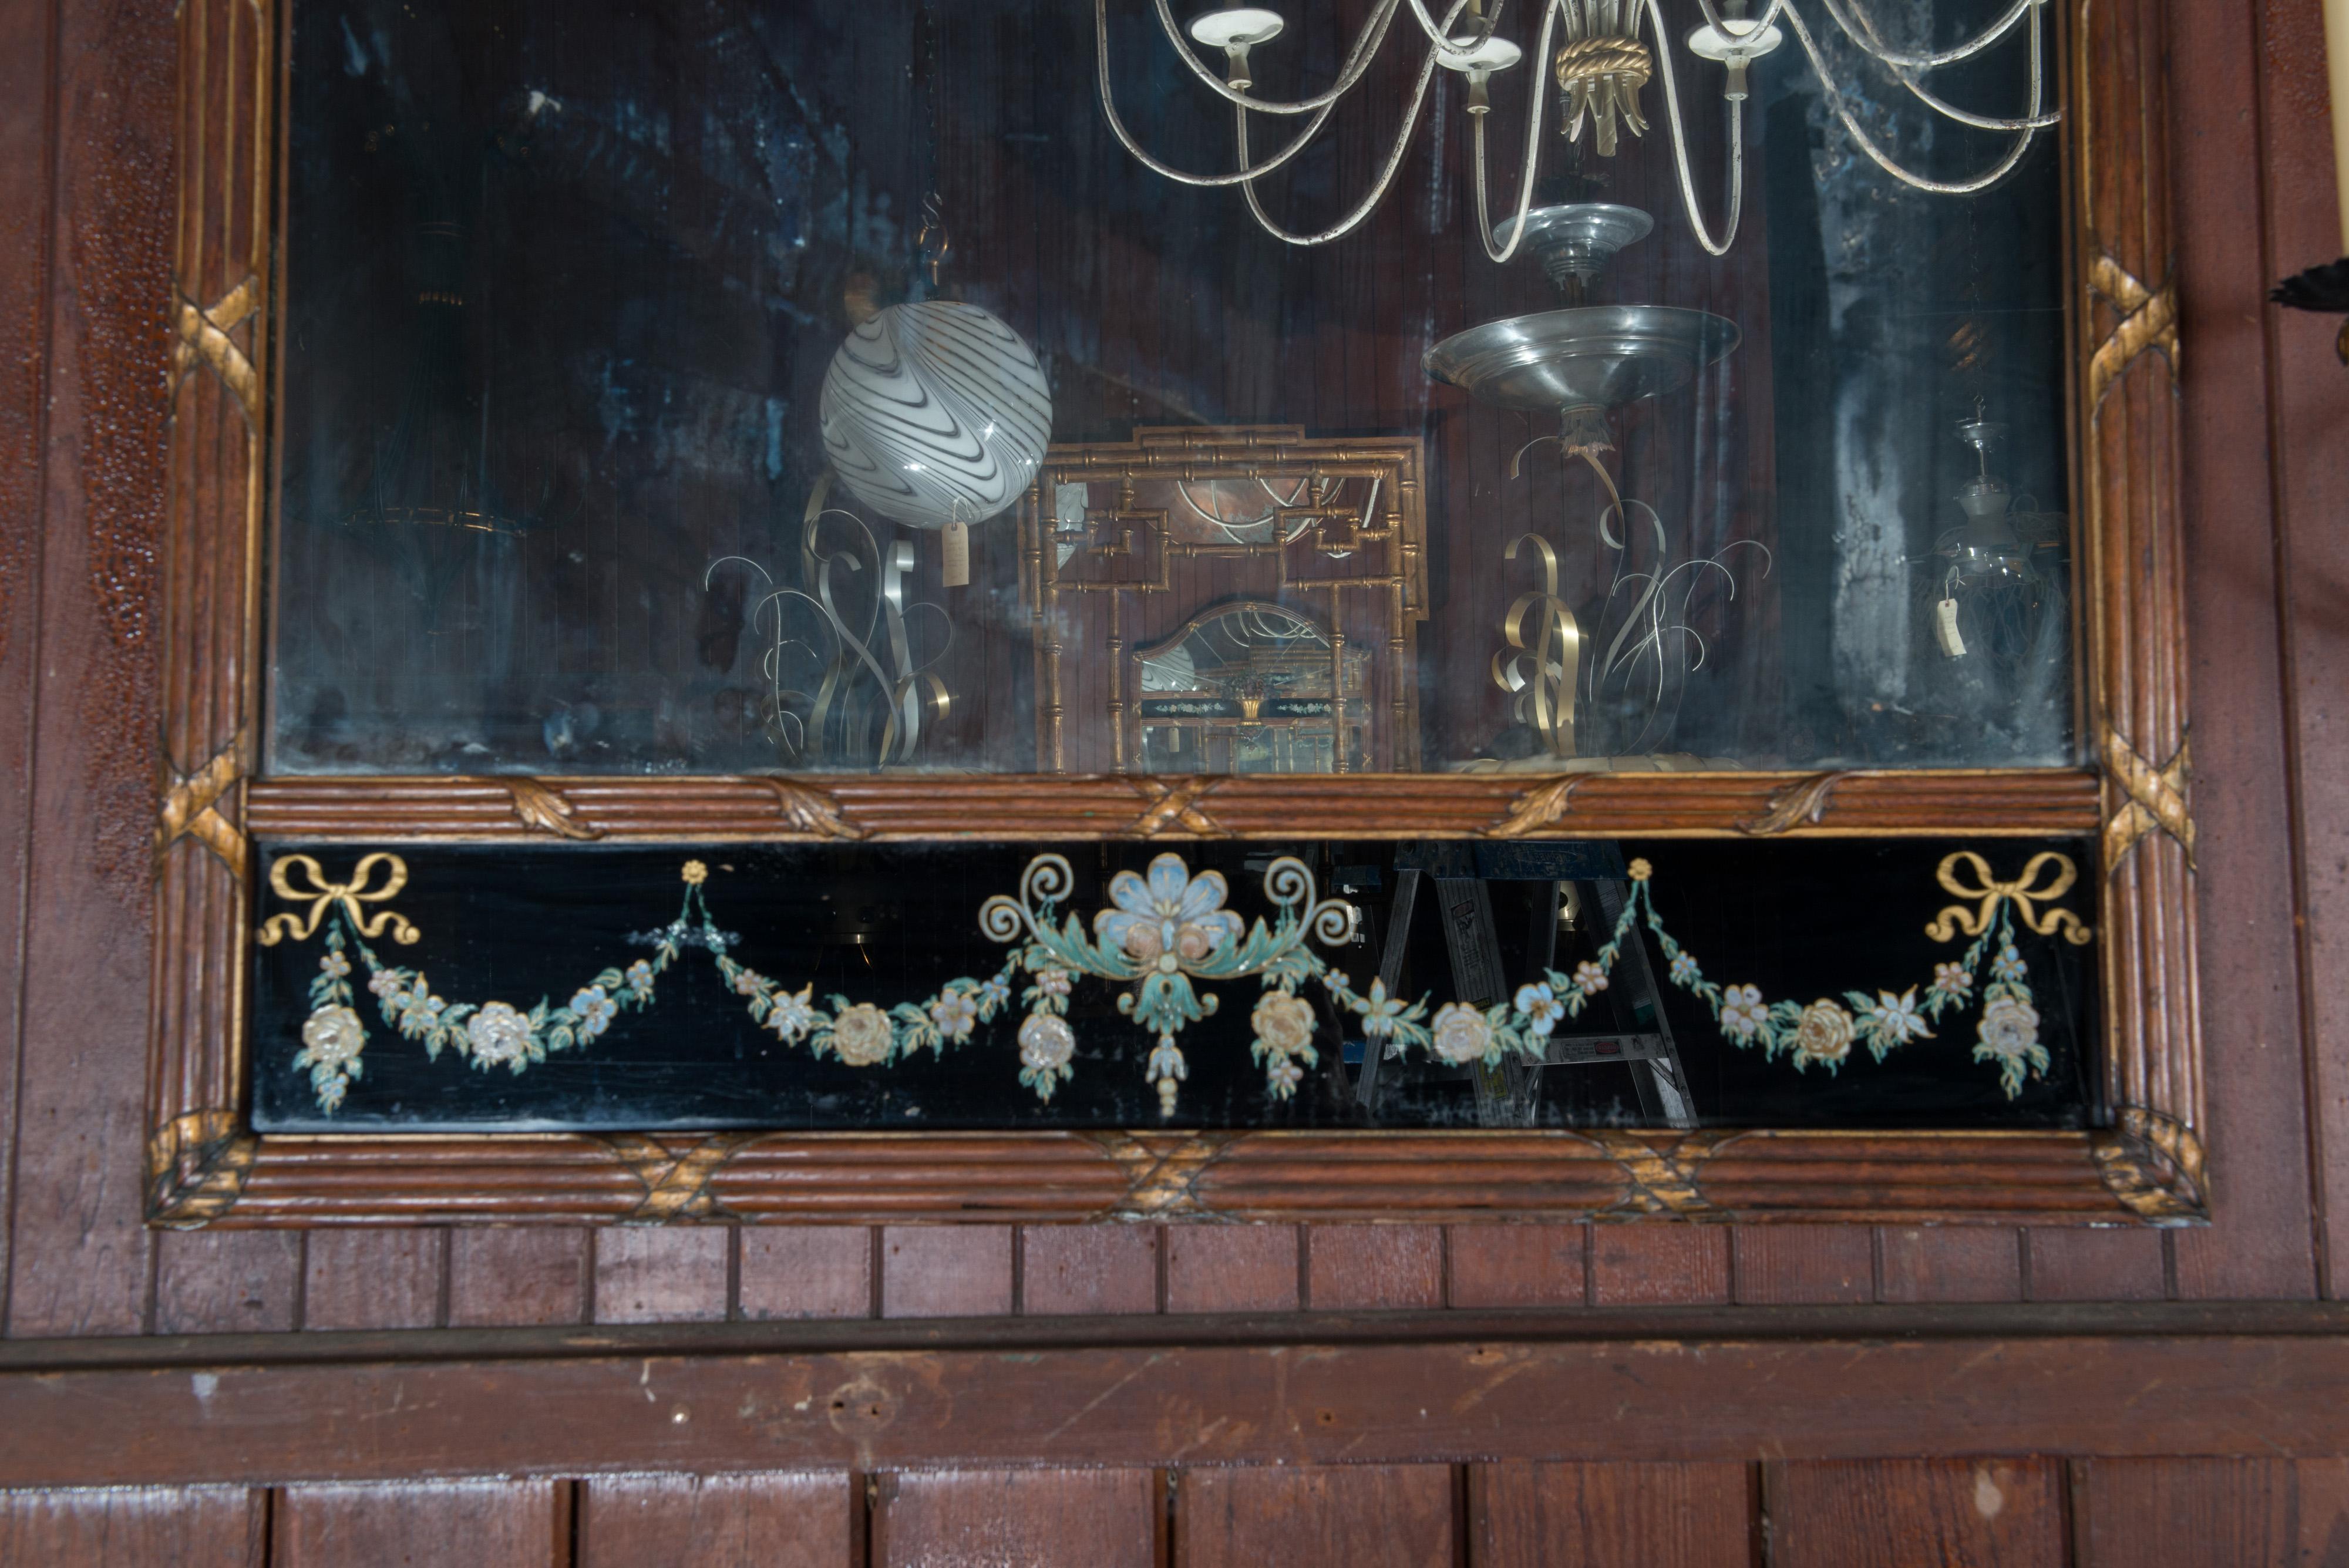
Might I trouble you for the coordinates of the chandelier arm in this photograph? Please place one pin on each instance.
(1357, 62)
(1533, 150)
(1862, 32)
(1353, 220)
(1126, 138)
(1882, 160)
(1442, 37)
(1680, 144)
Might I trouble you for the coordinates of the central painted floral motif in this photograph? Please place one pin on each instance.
(1169, 918)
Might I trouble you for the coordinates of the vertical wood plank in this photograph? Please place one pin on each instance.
(1659, 1264)
(1918, 1513)
(1959, 1263)
(373, 1279)
(2098, 1266)
(27, 41)
(2130, 1513)
(754, 1521)
(227, 1281)
(1089, 1269)
(133, 1527)
(2308, 422)
(2321, 1502)
(946, 1271)
(2261, 1241)
(433, 1524)
(1366, 1516)
(1612, 1516)
(1231, 1268)
(1789, 1265)
(1519, 1265)
(1051, 1519)
(511, 1276)
(672, 1273)
(807, 1270)
(80, 1253)
(1353, 1268)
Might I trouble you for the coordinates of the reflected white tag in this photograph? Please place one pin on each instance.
(956, 537)
(1945, 628)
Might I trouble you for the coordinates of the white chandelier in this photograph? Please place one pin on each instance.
(1596, 53)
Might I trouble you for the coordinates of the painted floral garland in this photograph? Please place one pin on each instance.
(1166, 930)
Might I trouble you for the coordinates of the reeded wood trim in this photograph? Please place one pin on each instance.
(912, 806)
(205, 1167)
(2128, 442)
(1889, 1179)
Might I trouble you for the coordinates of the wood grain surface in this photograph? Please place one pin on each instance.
(1987, 1514)
(1053, 1519)
(1614, 1515)
(422, 1524)
(161, 1527)
(750, 1520)
(1350, 1516)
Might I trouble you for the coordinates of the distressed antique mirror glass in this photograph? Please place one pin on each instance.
(842, 572)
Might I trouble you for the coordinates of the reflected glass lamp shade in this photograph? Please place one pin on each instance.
(935, 413)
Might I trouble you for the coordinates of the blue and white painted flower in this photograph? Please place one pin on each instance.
(2008, 965)
(1743, 1012)
(594, 1009)
(1541, 1007)
(1379, 1012)
(1172, 918)
(955, 1013)
(1895, 1020)
(792, 1015)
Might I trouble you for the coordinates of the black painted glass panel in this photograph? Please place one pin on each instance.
(1879, 983)
(564, 280)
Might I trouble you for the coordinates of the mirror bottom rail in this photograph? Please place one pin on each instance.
(2018, 802)
(207, 1170)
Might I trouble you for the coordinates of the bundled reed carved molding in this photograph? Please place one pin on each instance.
(206, 1167)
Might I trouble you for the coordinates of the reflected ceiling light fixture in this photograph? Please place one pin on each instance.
(1601, 53)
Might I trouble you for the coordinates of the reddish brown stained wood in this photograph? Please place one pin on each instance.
(1662, 1264)
(1798, 1263)
(373, 1279)
(1669, 1394)
(2260, 1244)
(1082, 1269)
(227, 1281)
(646, 1275)
(755, 1520)
(1365, 1516)
(1011, 808)
(2096, 1266)
(434, 1524)
(162, 1527)
(2235, 1511)
(1519, 1265)
(2321, 1489)
(807, 1270)
(1238, 1267)
(940, 1271)
(1949, 1265)
(506, 1276)
(81, 1256)
(27, 164)
(1919, 1513)
(1612, 1516)
(1355, 1267)
(1053, 1519)
(2308, 421)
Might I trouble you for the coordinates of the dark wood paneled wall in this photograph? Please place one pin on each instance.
(86, 108)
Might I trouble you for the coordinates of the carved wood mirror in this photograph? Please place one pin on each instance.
(759, 627)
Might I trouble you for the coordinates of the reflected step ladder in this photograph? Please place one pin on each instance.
(1592, 874)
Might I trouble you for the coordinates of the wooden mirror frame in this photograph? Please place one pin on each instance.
(207, 1166)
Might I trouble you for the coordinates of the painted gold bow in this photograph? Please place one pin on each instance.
(2023, 891)
(322, 895)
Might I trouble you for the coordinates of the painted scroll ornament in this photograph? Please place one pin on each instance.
(936, 413)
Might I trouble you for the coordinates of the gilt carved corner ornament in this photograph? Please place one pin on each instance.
(1536, 809)
(805, 809)
(677, 1179)
(2153, 1165)
(1162, 1177)
(191, 809)
(196, 1168)
(2155, 797)
(2148, 319)
(204, 338)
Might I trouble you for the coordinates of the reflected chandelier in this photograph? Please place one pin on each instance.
(1600, 61)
